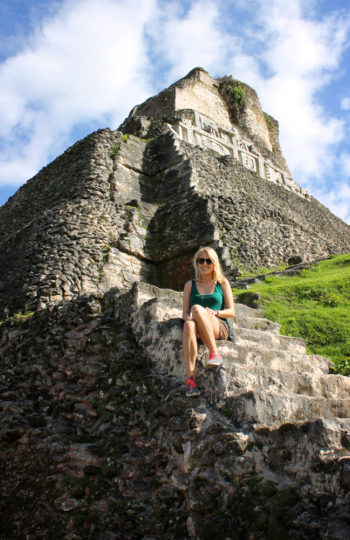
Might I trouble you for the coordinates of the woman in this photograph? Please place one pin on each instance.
(207, 301)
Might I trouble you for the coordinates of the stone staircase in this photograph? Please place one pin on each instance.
(271, 380)
(267, 379)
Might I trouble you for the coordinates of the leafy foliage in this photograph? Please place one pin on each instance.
(237, 95)
(234, 94)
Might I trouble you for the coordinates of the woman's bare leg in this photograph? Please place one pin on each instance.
(207, 326)
(189, 345)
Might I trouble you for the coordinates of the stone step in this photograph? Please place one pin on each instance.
(268, 380)
(263, 379)
(273, 409)
(257, 323)
(242, 310)
(251, 337)
(274, 358)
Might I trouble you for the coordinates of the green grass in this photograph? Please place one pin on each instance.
(315, 306)
(260, 271)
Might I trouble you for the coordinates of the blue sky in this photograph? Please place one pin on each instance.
(68, 67)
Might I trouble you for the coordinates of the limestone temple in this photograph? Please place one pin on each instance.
(209, 126)
(97, 439)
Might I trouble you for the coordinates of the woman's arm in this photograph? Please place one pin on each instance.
(186, 310)
(229, 310)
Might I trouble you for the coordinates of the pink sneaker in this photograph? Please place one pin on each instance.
(191, 387)
(214, 361)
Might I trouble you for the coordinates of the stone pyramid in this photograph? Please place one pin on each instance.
(188, 167)
(97, 439)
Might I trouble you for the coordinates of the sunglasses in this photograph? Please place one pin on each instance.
(202, 261)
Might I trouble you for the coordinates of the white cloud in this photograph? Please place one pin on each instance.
(88, 63)
(94, 59)
(345, 104)
(336, 196)
(337, 200)
(345, 164)
(192, 39)
(301, 54)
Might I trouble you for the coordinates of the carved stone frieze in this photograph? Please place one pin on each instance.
(204, 132)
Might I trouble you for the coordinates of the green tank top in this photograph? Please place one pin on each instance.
(214, 301)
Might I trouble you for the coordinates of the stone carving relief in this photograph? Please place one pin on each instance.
(248, 161)
(243, 146)
(202, 131)
(216, 147)
(225, 137)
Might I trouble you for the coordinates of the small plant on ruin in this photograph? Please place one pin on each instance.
(234, 95)
(23, 315)
(272, 124)
(237, 95)
(18, 316)
(114, 151)
(106, 251)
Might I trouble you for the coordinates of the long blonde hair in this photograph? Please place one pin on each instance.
(217, 270)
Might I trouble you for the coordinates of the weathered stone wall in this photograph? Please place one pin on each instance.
(200, 110)
(104, 216)
(273, 128)
(262, 224)
(253, 118)
(97, 439)
(160, 105)
(199, 91)
(199, 130)
(52, 230)
(249, 116)
(115, 209)
(58, 231)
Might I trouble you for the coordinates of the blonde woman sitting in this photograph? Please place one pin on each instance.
(207, 302)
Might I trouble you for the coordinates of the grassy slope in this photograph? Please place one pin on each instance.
(315, 306)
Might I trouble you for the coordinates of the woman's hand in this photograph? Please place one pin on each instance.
(211, 312)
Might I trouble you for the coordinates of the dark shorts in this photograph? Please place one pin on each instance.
(223, 329)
